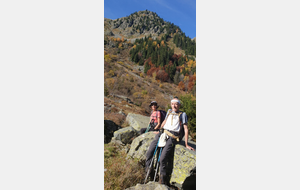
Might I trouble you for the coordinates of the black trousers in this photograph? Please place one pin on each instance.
(169, 147)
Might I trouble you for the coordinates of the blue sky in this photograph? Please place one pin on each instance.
(180, 12)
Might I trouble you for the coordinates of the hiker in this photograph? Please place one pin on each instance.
(154, 118)
(171, 127)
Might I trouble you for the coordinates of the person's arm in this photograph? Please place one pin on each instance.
(186, 132)
(158, 123)
(162, 125)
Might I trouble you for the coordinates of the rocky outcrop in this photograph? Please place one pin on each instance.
(121, 146)
(125, 135)
(140, 145)
(123, 98)
(182, 164)
(149, 186)
(109, 128)
(137, 121)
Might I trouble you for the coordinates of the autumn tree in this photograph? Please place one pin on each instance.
(162, 75)
(181, 86)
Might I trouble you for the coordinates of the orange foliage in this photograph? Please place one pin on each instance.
(162, 75)
(190, 86)
(181, 85)
(192, 78)
(152, 70)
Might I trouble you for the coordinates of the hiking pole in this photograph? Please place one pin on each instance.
(157, 163)
(149, 168)
(148, 128)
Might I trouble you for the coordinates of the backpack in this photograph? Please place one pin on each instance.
(162, 115)
(162, 118)
(181, 131)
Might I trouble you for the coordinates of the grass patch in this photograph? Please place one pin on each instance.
(120, 173)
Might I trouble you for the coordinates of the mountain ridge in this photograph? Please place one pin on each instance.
(125, 77)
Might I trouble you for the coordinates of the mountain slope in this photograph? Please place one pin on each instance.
(131, 84)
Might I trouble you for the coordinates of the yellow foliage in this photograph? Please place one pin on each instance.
(107, 58)
(154, 43)
(113, 57)
(144, 43)
(142, 75)
(157, 45)
(154, 75)
(186, 78)
(111, 73)
(118, 39)
(120, 45)
(134, 46)
(127, 75)
(160, 85)
(162, 43)
(120, 62)
(191, 63)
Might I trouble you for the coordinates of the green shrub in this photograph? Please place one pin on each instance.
(188, 105)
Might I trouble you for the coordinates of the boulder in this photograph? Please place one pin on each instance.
(140, 145)
(149, 186)
(125, 135)
(182, 165)
(137, 121)
(109, 128)
(121, 146)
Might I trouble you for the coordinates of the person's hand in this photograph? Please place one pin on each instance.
(155, 132)
(190, 148)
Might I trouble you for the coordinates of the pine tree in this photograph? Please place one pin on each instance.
(146, 67)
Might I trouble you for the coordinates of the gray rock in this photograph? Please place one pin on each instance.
(121, 146)
(109, 128)
(149, 186)
(140, 145)
(137, 121)
(125, 135)
(182, 164)
(108, 33)
(122, 113)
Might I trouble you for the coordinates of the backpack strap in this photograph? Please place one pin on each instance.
(167, 114)
(180, 120)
